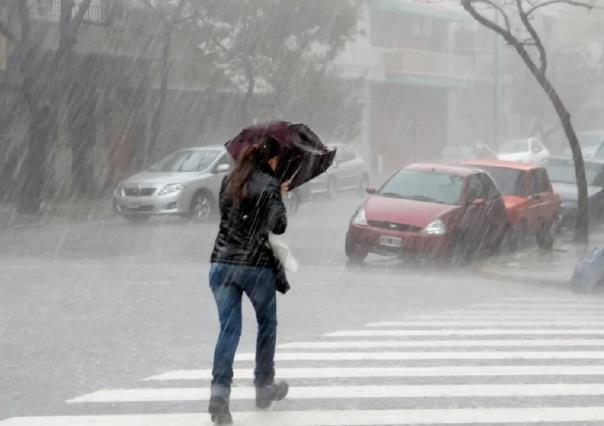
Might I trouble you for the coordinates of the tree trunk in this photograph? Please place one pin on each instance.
(582, 225)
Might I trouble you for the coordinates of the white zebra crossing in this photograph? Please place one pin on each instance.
(475, 351)
(351, 372)
(451, 416)
(350, 391)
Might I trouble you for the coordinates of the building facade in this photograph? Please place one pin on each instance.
(427, 72)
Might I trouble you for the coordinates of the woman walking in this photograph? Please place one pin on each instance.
(243, 262)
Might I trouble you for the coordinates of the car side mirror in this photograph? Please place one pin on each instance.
(371, 191)
(223, 168)
(478, 202)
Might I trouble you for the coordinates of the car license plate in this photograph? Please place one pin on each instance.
(133, 205)
(391, 242)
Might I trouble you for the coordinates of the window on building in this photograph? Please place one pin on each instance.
(99, 11)
(46, 10)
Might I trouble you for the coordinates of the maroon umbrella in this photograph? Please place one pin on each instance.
(303, 156)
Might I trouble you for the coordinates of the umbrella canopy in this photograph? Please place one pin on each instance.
(302, 157)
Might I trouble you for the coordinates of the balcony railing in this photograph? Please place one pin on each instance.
(50, 10)
(419, 62)
(383, 62)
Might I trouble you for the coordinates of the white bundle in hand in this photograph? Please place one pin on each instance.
(282, 252)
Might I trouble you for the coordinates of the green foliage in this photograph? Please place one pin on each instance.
(279, 54)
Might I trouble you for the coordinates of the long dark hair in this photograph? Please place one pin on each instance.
(255, 157)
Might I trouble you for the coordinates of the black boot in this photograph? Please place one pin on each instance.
(265, 395)
(219, 406)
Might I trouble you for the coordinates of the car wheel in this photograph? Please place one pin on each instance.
(332, 188)
(546, 236)
(354, 252)
(137, 219)
(292, 202)
(202, 206)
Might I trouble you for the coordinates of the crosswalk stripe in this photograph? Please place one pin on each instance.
(466, 332)
(487, 323)
(366, 344)
(360, 372)
(555, 310)
(361, 392)
(528, 305)
(507, 315)
(392, 356)
(451, 416)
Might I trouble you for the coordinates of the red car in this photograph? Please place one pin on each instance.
(429, 210)
(532, 206)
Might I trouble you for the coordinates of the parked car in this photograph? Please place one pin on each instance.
(429, 210)
(474, 151)
(529, 150)
(562, 175)
(185, 183)
(530, 201)
(348, 172)
(592, 144)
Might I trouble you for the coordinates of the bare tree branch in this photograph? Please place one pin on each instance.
(469, 6)
(531, 30)
(588, 5)
(501, 12)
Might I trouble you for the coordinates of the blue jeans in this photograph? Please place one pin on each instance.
(228, 283)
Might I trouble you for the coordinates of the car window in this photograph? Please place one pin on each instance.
(536, 146)
(225, 159)
(190, 160)
(508, 181)
(477, 188)
(563, 171)
(539, 182)
(426, 186)
(520, 145)
(590, 140)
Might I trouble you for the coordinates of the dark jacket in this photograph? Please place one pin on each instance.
(243, 235)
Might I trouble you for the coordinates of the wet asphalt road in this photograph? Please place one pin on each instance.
(103, 304)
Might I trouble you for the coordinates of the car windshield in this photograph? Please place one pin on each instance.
(590, 140)
(509, 181)
(433, 187)
(457, 151)
(564, 172)
(188, 160)
(519, 145)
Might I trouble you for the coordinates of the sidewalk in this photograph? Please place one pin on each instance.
(534, 266)
(71, 210)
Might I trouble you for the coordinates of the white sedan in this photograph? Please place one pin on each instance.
(529, 150)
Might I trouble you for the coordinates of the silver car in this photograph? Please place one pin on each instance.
(186, 183)
(347, 172)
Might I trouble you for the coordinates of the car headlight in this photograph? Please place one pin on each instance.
(435, 228)
(360, 218)
(169, 189)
